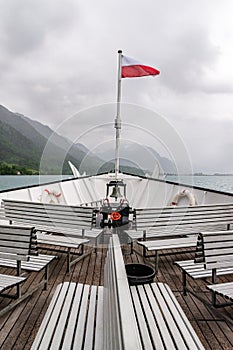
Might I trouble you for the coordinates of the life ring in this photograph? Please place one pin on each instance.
(50, 196)
(115, 216)
(184, 193)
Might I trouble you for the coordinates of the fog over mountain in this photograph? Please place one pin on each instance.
(31, 144)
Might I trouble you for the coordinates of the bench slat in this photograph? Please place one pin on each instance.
(204, 270)
(196, 344)
(145, 335)
(89, 336)
(70, 319)
(152, 326)
(197, 271)
(61, 314)
(159, 312)
(36, 263)
(65, 241)
(195, 208)
(49, 214)
(18, 249)
(223, 289)
(99, 328)
(65, 220)
(73, 315)
(78, 341)
(169, 243)
(48, 220)
(197, 215)
(164, 228)
(42, 339)
(179, 325)
(190, 223)
(128, 320)
(7, 281)
(171, 327)
(116, 316)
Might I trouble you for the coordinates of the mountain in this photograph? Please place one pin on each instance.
(23, 141)
(140, 156)
(166, 165)
(16, 148)
(90, 162)
(32, 147)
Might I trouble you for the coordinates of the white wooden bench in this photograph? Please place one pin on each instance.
(225, 290)
(172, 227)
(18, 249)
(69, 322)
(2, 214)
(116, 316)
(120, 323)
(213, 258)
(57, 225)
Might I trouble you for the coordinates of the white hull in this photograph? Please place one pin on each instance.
(141, 192)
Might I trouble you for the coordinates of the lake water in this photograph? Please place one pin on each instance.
(216, 182)
(13, 181)
(222, 183)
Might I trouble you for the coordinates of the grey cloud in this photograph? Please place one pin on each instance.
(185, 68)
(60, 56)
(26, 25)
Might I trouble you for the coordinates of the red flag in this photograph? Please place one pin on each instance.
(132, 68)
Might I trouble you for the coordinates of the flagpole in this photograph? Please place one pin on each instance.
(118, 117)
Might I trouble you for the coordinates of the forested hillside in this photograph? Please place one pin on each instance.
(23, 142)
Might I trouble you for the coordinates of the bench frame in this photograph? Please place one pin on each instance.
(122, 322)
(118, 306)
(18, 244)
(56, 219)
(213, 258)
(72, 304)
(222, 290)
(176, 227)
(45, 239)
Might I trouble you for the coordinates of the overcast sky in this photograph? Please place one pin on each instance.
(59, 57)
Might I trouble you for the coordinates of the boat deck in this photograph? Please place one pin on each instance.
(19, 327)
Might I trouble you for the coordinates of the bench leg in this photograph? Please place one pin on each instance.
(214, 298)
(80, 257)
(96, 245)
(98, 240)
(144, 252)
(131, 247)
(19, 271)
(184, 282)
(213, 277)
(68, 261)
(69, 257)
(46, 276)
(18, 293)
(213, 280)
(156, 261)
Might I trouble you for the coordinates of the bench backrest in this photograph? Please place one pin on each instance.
(121, 330)
(17, 242)
(172, 216)
(215, 249)
(36, 213)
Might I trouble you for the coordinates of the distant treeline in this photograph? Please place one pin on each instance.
(13, 169)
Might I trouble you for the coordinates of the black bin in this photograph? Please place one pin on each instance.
(139, 273)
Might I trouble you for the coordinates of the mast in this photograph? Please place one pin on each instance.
(118, 117)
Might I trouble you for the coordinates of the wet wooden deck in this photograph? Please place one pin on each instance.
(19, 327)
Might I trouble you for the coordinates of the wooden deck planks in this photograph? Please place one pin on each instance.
(210, 332)
(19, 327)
(214, 333)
